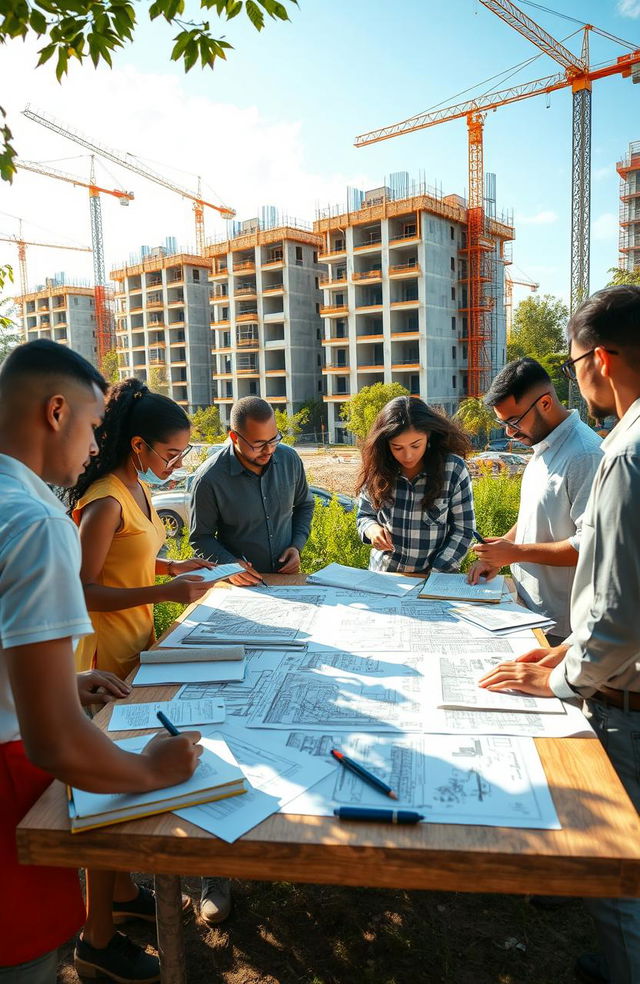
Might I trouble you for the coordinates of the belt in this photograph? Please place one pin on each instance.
(626, 700)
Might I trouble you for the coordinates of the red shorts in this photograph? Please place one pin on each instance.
(40, 908)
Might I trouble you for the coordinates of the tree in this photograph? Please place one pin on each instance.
(81, 29)
(539, 328)
(9, 333)
(206, 426)
(624, 278)
(291, 424)
(476, 418)
(109, 366)
(362, 409)
(157, 380)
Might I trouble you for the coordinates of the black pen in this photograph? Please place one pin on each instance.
(376, 815)
(261, 579)
(479, 538)
(363, 773)
(166, 723)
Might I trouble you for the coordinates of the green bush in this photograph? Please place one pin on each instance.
(333, 539)
(496, 500)
(166, 612)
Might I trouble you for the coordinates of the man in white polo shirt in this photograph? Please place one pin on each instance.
(51, 400)
(542, 547)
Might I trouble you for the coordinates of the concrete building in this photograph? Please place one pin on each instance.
(265, 314)
(63, 312)
(629, 240)
(396, 294)
(162, 323)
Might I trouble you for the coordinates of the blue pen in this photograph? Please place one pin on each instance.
(377, 815)
(166, 723)
(479, 538)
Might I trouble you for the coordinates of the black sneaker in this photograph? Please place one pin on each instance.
(142, 907)
(121, 960)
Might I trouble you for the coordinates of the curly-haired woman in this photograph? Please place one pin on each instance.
(416, 503)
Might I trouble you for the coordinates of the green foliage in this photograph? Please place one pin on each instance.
(539, 328)
(9, 333)
(333, 538)
(552, 363)
(157, 380)
(109, 366)
(291, 424)
(475, 417)
(317, 414)
(166, 612)
(624, 278)
(362, 409)
(95, 29)
(496, 500)
(206, 426)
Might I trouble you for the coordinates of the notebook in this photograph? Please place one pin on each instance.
(217, 776)
(454, 587)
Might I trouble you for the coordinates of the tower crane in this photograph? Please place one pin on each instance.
(509, 281)
(104, 331)
(133, 164)
(579, 76)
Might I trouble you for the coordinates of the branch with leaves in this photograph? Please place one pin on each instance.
(95, 29)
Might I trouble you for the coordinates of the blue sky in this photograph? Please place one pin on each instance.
(275, 125)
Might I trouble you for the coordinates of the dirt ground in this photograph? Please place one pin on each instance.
(301, 934)
(336, 471)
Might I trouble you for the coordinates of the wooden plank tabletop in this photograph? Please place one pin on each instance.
(597, 851)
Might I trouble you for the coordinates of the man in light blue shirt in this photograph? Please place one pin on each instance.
(542, 547)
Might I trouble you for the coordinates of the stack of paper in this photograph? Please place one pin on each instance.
(169, 666)
(506, 619)
(376, 582)
(181, 713)
(454, 587)
(216, 777)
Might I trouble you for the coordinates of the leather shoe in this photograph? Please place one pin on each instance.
(591, 968)
(215, 901)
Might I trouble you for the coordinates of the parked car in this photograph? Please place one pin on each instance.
(172, 504)
(514, 464)
(507, 444)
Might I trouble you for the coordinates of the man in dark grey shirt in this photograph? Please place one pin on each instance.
(251, 502)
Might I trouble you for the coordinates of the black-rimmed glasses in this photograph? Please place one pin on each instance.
(513, 424)
(568, 369)
(171, 462)
(261, 445)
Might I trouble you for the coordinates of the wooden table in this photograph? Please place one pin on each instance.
(596, 853)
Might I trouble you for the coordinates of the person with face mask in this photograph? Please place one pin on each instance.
(542, 546)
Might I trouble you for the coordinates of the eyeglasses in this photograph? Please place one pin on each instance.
(171, 462)
(568, 366)
(261, 445)
(513, 424)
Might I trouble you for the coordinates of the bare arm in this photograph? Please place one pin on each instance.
(60, 738)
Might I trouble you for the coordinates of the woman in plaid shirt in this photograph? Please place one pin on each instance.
(416, 503)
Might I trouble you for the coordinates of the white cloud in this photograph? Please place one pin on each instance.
(605, 226)
(629, 8)
(544, 217)
(248, 159)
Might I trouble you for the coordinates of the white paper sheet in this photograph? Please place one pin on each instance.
(376, 582)
(156, 674)
(571, 724)
(218, 573)
(493, 780)
(504, 618)
(276, 774)
(183, 714)
(455, 586)
(457, 683)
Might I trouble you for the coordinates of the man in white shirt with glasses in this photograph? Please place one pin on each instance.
(542, 547)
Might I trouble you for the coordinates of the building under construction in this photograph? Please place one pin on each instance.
(629, 240)
(399, 290)
(62, 312)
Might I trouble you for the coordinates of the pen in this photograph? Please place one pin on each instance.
(166, 723)
(381, 816)
(479, 538)
(363, 773)
(261, 579)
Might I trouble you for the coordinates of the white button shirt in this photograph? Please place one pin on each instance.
(555, 488)
(41, 596)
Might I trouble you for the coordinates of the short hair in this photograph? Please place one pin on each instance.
(516, 379)
(249, 407)
(609, 317)
(44, 358)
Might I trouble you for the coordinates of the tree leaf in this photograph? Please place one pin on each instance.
(38, 22)
(255, 15)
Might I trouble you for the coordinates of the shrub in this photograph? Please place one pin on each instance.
(333, 539)
(496, 499)
(166, 612)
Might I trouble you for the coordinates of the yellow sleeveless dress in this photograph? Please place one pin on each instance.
(130, 563)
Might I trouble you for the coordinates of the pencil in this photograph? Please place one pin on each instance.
(364, 774)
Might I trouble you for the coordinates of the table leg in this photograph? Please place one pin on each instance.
(170, 932)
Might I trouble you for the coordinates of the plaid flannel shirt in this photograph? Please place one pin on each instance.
(436, 538)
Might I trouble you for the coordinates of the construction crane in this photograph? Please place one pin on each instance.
(509, 281)
(104, 328)
(138, 167)
(580, 78)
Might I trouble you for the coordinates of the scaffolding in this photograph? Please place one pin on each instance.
(629, 212)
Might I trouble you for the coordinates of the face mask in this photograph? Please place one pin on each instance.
(149, 477)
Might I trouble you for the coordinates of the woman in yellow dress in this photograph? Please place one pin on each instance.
(144, 436)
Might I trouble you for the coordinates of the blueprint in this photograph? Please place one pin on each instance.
(493, 780)
(252, 617)
(458, 687)
(571, 724)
